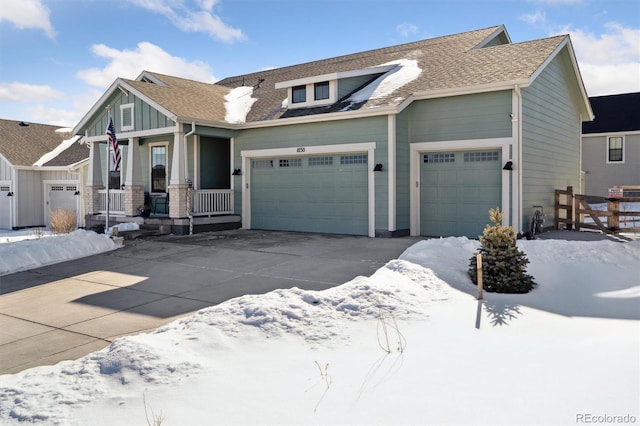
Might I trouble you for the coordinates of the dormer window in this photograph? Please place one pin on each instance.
(321, 91)
(298, 94)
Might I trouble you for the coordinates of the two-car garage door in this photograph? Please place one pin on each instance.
(457, 189)
(325, 193)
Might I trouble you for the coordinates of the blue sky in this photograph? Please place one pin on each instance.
(57, 57)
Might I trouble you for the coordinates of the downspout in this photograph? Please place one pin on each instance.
(186, 169)
(518, 93)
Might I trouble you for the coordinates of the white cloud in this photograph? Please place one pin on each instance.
(50, 115)
(27, 14)
(538, 18)
(23, 92)
(405, 29)
(610, 61)
(200, 20)
(147, 56)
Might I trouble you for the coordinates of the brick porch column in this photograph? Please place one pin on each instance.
(91, 199)
(178, 201)
(133, 199)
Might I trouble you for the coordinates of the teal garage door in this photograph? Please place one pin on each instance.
(457, 189)
(323, 193)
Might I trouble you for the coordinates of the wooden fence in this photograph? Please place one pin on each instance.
(610, 215)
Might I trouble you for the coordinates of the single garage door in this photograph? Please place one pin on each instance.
(457, 190)
(5, 207)
(62, 196)
(322, 193)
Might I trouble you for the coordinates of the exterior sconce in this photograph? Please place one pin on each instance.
(377, 168)
(508, 165)
(10, 194)
(77, 193)
(236, 172)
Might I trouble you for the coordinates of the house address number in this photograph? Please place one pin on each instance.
(301, 150)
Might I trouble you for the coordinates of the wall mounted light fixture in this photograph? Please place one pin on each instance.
(377, 168)
(10, 194)
(508, 165)
(236, 172)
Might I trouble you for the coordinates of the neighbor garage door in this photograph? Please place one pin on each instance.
(62, 196)
(5, 207)
(457, 189)
(322, 193)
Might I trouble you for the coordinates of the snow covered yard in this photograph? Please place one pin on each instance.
(408, 345)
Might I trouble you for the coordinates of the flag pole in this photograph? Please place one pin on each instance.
(106, 226)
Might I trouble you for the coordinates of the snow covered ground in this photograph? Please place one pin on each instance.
(408, 345)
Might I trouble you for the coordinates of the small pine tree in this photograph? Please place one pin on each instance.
(503, 264)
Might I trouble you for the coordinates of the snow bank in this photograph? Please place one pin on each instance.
(64, 145)
(405, 72)
(28, 254)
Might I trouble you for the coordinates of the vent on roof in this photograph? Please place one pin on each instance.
(23, 124)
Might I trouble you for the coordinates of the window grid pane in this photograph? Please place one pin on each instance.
(353, 159)
(481, 156)
(291, 162)
(321, 90)
(320, 161)
(615, 149)
(262, 164)
(447, 157)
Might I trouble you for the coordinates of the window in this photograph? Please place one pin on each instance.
(321, 90)
(448, 157)
(291, 162)
(298, 94)
(353, 159)
(615, 151)
(159, 168)
(481, 156)
(262, 164)
(320, 161)
(126, 117)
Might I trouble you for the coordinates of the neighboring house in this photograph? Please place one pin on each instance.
(42, 168)
(420, 138)
(611, 145)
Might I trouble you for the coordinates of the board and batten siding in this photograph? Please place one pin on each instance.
(5, 169)
(464, 117)
(30, 199)
(403, 186)
(360, 130)
(551, 129)
(145, 117)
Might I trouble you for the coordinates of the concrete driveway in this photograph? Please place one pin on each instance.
(70, 309)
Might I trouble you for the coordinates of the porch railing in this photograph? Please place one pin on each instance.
(212, 202)
(116, 202)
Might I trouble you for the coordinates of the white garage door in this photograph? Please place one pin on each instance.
(62, 196)
(320, 193)
(457, 190)
(5, 207)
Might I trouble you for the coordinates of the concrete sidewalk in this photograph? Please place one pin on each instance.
(67, 310)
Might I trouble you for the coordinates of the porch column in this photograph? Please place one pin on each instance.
(94, 180)
(133, 186)
(178, 185)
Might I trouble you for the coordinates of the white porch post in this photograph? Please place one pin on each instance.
(133, 185)
(94, 181)
(178, 185)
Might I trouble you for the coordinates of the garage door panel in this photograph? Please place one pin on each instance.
(457, 190)
(318, 195)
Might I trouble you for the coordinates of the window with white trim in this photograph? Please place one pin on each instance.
(321, 91)
(262, 164)
(353, 159)
(298, 94)
(290, 162)
(126, 117)
(615, 149)
(447, 157)
(320, 161)
(158, 168)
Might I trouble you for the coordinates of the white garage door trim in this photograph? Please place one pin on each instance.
(248, 155)
(47, 201)
(7, 204)
(499, 143)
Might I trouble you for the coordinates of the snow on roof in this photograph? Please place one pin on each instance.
(64, 145)
(238, 103)
(405, 72)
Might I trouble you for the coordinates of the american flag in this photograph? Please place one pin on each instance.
(111, 134)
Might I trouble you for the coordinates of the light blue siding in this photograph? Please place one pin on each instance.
(477, 116)
(551, 137)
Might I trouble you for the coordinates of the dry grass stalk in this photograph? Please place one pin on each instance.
(63, 221)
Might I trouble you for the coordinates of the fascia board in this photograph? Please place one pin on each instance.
(468, 90)
(151, 102)
(500, 29)
(615, 133)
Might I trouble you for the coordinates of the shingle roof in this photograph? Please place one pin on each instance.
(448, 62)
(614, 113)
(23, 145)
